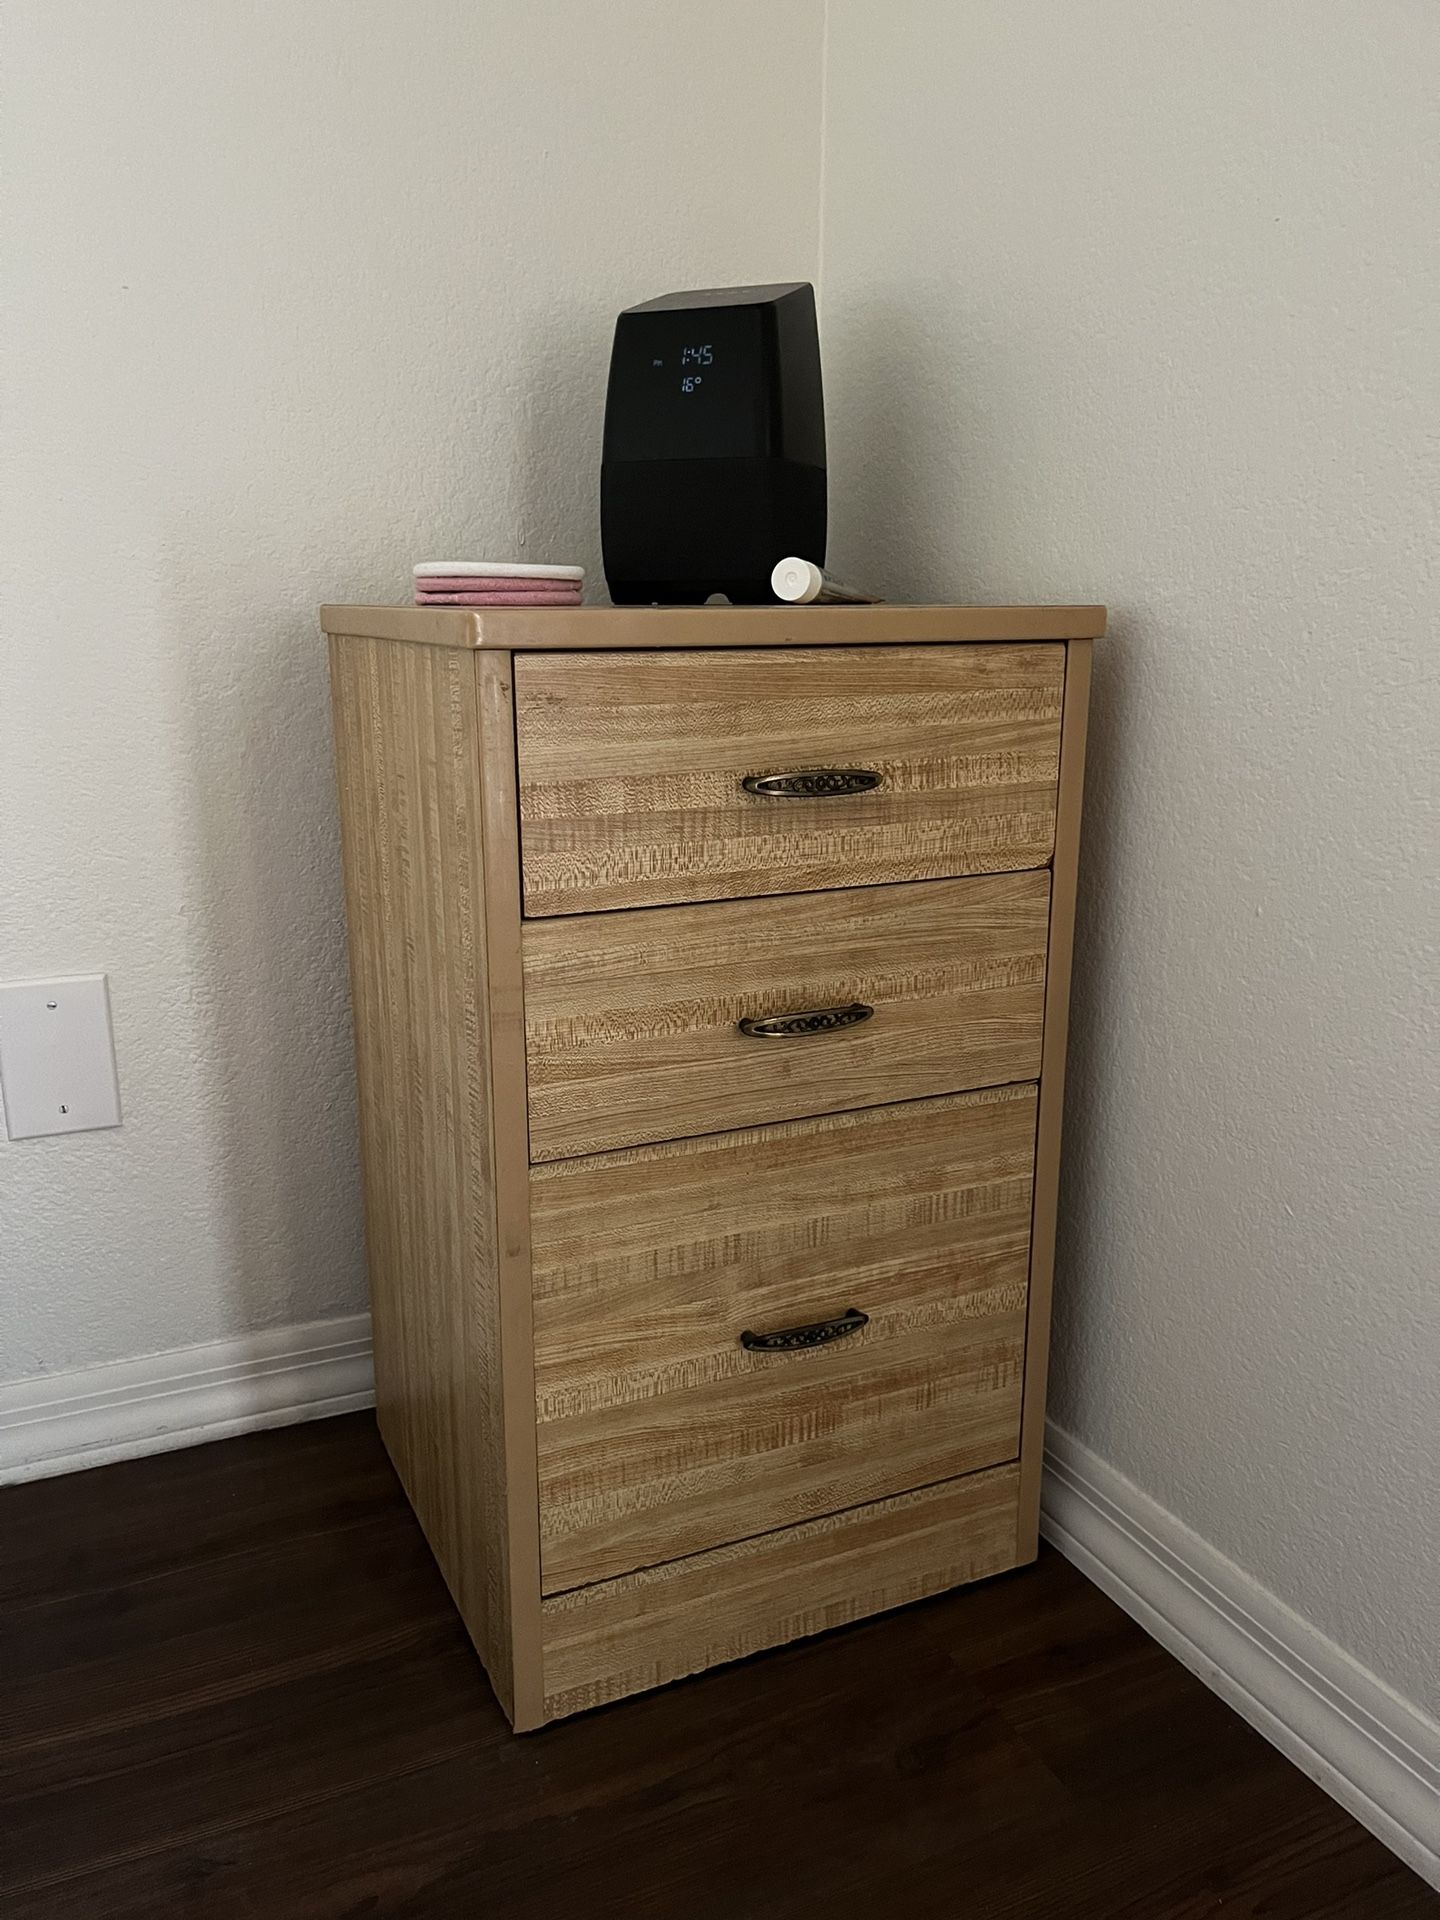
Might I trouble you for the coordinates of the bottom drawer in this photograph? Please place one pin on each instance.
(661, 1434)
(622, 1636)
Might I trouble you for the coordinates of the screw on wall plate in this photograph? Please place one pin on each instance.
(64, 1109)
(52, 1004)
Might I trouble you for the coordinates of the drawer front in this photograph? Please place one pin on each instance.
(660, 1434)
(633, 1020)
(645, 1629)
(631, 768)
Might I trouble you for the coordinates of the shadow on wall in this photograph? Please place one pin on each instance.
(559, 425)
(1098, 1003)
(250, 700)
(903, 475)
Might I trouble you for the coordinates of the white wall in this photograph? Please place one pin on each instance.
(1138, 303)
(297, 295)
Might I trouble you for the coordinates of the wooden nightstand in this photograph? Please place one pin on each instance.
(710, 971)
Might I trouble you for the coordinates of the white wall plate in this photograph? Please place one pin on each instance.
(57, 1058)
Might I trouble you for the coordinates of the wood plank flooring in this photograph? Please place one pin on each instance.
(232, 1685)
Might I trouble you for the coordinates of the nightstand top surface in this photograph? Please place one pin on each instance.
(570, 629)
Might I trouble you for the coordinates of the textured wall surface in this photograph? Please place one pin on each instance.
(295, 296)
(1140, 304)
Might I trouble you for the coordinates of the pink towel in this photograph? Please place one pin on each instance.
(561, 598)
(489, 583)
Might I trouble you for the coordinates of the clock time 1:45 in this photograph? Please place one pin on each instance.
(700, 356)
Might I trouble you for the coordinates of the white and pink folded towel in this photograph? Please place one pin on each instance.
(496, 583)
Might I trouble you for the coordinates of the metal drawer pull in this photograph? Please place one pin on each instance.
(791, 1026)
(796, 1339)
(813, 783)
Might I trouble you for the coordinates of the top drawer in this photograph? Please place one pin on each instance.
(632, 768)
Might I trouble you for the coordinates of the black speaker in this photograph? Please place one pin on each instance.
(714, 456)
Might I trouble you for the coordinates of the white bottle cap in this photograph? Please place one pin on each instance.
(796, 580)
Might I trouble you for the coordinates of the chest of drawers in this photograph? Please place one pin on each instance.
(710, 972)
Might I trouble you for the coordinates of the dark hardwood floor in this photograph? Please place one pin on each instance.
(232, 1685)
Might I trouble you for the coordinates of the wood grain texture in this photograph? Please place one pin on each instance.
(632, 1018)
(660, 1435)
(583, 628)
(631, 764)
(505, 983)
(622, 1636)
(412, 760)
(1052, 1091)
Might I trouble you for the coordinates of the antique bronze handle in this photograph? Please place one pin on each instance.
(797, 1339)
(791, 1026)
(813, 783)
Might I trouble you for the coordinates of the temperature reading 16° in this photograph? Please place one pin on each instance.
(689, 382)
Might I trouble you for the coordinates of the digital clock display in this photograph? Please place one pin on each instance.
(692, 359)
(692, 385)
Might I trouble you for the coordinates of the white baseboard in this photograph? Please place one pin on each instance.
(1374, 1752)
(62, 1421)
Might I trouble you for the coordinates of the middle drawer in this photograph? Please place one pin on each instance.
(661, 1023)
